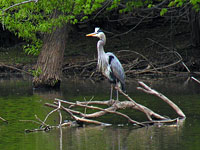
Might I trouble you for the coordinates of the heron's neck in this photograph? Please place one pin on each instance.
(100, 48)
(101, 55)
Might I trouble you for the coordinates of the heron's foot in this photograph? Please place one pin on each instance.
(116, 101)
(111, 102)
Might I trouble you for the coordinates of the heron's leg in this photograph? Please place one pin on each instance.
(117, 95)
(117, 92)
(111, 90)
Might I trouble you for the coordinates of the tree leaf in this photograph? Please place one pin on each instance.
(163, 11)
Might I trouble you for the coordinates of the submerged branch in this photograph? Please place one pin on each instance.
(3, 119)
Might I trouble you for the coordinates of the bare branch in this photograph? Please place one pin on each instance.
(42, 123)
(25, 2)
(112, 109)
(193, 78)
(133, 27)
(113, 106)
(83, 119)
(58, 108)
(148, 90)
(14, 68)
(142, 108)
(3, 119)
(144, 57)
(36, 122)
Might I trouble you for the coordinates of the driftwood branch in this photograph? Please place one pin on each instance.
(15, 68)
(78, 119)
(3, 119)
(195, 79)
(58, 108)
(142, 108)
(149, 90)
(112, 107)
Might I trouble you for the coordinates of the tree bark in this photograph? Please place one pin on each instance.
(194, 19)
(49, 63)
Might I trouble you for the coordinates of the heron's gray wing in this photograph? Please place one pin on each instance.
(116, 67)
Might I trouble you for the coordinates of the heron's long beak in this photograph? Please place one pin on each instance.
(91, 34)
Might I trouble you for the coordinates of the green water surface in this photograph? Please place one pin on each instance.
(19, 101)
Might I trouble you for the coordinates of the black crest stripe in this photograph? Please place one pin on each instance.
(110, 59)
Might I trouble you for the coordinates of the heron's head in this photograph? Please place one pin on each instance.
(98, 33)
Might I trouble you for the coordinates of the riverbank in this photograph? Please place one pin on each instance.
(148, 51)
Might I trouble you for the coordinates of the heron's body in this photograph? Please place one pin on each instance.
(108, 63)
(111, 68)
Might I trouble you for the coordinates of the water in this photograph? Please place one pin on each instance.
(18, 101)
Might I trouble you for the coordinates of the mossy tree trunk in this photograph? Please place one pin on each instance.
(49, 63)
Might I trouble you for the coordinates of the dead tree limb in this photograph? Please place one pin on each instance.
(58, 108)
(139, 54)
(108, 102)
(15, 68)
(149, 90)
(142, 108)
(79, 119)
(33, 121)
(84, 119)
(113, 106)
(188, 70)
(39, 120)
(112, 109)
(176, 120)
(3, 119)
(193, 78)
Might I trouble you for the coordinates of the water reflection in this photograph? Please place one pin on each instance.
(19, 101)
(115, 138)
(79, 88)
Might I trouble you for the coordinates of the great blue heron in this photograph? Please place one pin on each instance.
(108, 63)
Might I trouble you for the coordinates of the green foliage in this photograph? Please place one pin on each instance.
(135, 4)
(31, 20)
(181, 3)
(131, 5)
(163, 11)
(114, 5)
(177, 3)
(34, 48)
(36, 73)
